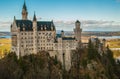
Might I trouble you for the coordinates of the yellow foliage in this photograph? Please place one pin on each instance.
(5, 45)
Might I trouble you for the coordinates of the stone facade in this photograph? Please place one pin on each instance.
(31, 37)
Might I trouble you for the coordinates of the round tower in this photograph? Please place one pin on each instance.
(62, 33)
(77, 24)
(77, 31)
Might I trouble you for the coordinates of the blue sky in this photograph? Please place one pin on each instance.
(95, 15)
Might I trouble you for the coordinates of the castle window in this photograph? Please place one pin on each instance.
(21, 33)
(44, 48)
(52, 48)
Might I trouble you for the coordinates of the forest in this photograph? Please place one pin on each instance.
(86, 63)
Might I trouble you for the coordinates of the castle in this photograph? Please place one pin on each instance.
(32, 36)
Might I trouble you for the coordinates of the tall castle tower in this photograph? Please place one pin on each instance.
(77, 30)
(24, 12)
(35, 34)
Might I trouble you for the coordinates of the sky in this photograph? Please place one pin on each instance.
(95, 15)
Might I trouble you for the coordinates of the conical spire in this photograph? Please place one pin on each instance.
(24, 11)
(14, 22)
(34, 18)
(24, 6)
(14, 18)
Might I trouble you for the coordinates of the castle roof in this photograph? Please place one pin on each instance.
(68, 38)
(77, 21)
(45, 25)
(58, 35)
(41, 25)
(27, 24)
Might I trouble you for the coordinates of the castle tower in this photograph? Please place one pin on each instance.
(104, 43)
(15, 37)
(62, 33)
(14, 26)
(77, 31)
(35, 34)
(24, 12)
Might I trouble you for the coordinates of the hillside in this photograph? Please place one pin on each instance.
(87, 63)
(5, 45)
(39, 66)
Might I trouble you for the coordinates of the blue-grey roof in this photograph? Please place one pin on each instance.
(45, 25)
(41, 25)
(68, 38)
(58, 35)
(77, 21)
(27, 24)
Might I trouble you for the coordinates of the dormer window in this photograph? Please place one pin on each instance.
(23, 28)
(41, 28)
(45, 27)
(51, 27)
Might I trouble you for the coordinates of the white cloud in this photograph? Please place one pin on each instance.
(5, 26)
(90, 25)
(86, 25)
